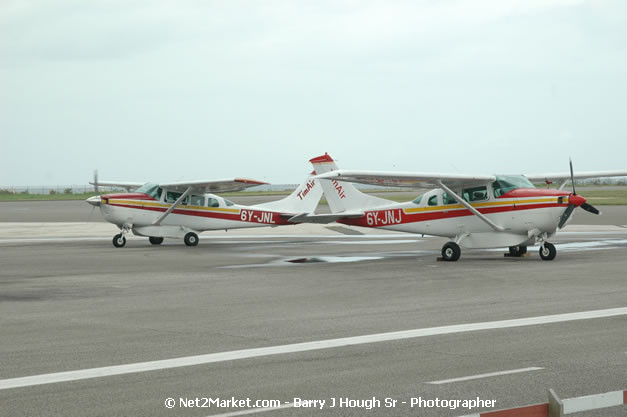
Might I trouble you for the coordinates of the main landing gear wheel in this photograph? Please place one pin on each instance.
(547, 251)
(191, 239)
(451, 252)
(517, 251)
(155, 240)
(119, 240)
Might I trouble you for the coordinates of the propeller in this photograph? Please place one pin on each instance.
(590, 208)
(96, 182)
(575, 201)
(95, 200)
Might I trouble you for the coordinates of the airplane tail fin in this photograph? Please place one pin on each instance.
(343, 196)
(304, 199)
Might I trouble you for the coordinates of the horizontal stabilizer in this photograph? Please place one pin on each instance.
(322, 218)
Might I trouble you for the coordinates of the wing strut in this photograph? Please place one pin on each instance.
(471, 208)
(172, 207)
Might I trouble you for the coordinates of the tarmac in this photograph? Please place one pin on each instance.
(305, 312)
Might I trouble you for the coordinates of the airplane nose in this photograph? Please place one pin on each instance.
(94, 201)
(576, 200)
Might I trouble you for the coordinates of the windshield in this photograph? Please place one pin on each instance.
(506, 183)
(417, 200)
(151, 189)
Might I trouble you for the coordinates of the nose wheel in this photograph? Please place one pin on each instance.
(547, 251)
(119, 240)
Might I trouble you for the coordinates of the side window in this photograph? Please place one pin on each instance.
(171, 196)
(212, 202)
(476, 194)
(197, 200)
(448, 199)
(433, 200)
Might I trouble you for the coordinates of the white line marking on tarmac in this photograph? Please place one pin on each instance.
(488, 375)
(299, 347)
(252, 411)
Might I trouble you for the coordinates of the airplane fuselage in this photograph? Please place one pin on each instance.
(209, 212)
(519, 212)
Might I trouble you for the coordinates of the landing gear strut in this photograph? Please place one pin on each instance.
(451, 252)
(547, 251)
(119, 240)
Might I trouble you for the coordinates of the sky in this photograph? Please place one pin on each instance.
(149, 90)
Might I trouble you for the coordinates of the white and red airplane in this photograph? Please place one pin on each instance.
(474, 211)
(184, 209)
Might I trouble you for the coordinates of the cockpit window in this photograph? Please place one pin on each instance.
(448, 199)
(151, 189)
(506, 183)
(212, 202)
(475, 194)
(228, 202)
(433, 200)
(171, 197)
(417, 200)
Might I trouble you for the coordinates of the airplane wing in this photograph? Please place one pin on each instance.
(407, 179)
(129, 186)
(212, 186)
(564, 176)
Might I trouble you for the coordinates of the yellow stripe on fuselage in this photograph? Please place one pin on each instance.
(141, 203)
(481, 205)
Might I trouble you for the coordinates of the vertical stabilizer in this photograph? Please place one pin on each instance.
(304, 199)
(343, 196)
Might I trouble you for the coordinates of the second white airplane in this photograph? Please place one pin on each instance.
(473, 211)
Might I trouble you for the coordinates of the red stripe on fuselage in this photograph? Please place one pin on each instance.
(370, 217)
(252, 216)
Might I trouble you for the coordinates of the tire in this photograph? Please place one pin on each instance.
(155, 240)
(517, 251)
(119, 240)
(547, 251)
(191, 239)
(451, 252)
